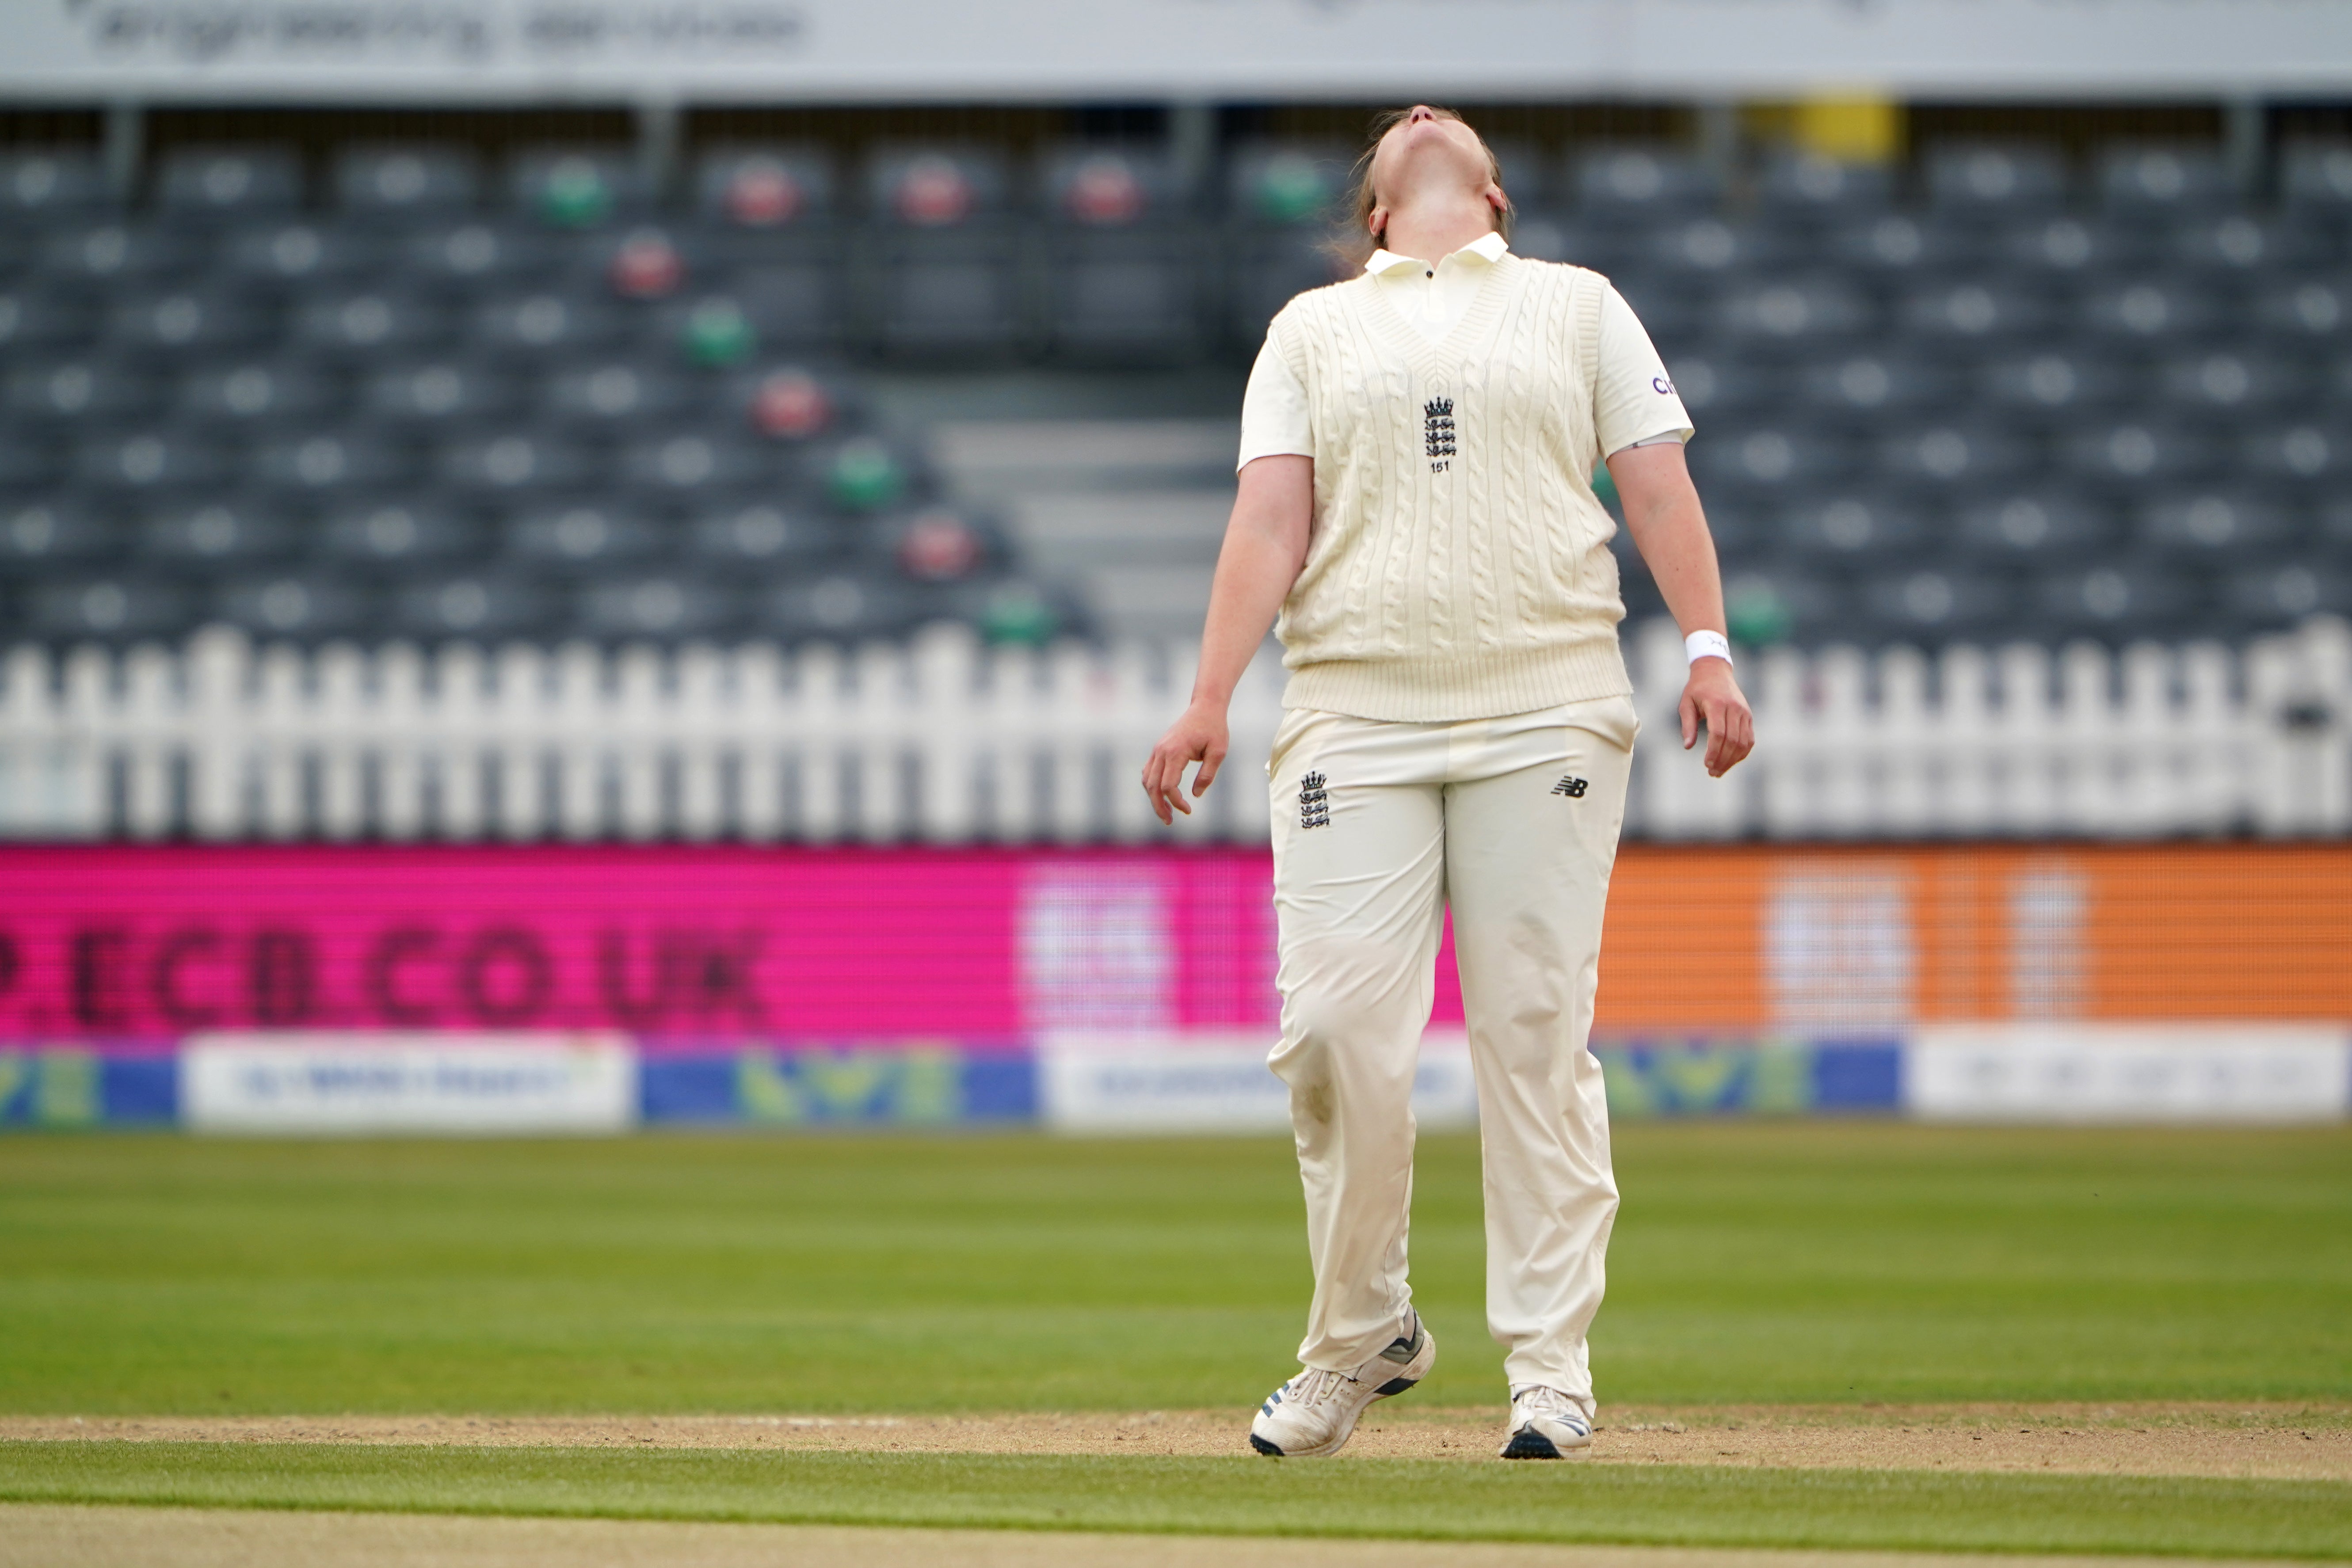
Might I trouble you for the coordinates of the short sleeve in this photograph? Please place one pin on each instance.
(1634, 400)
(1274, 410)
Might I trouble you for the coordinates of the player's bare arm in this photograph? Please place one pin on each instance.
(1266, 545)
(1669, 528)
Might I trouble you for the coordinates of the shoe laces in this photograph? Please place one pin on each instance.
(1316, 1385)
(1536, 1400)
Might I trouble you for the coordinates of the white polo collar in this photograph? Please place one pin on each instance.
(1487, 248)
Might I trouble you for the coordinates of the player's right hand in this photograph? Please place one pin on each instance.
(1198, 735)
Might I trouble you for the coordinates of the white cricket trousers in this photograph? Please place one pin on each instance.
(1378, 829)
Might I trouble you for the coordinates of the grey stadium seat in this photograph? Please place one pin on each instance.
(41, 187)
(216, 184)
(162, 459)
(763, 535)
(2119, 601)
(400, 530)
(2136, 454)
(477, 252)
(277, 254)
(2316, 453)
(2315, 182)
(546, 320)
(302, 606)
(1870, 384)
(2158, 182)
(190, 321)
(2311, 313)
(1933, 604)
(109, 255)
(1992, 179)
(34, 316)
(1769, 459)
(515, 462)
(659, 605)
(845, 606)
(483, 606)
(618, 392)
(1711, 382)
(1804, 189)
(682, 464)
(367, 323)
(580, 535)
(101, 388)
(2066, 250)
(27, 459)
(2271, 597)
(2160, 310)
(2061, 379)
(1978, 314)
(2244, 247)
(1969, 453)
(321, 461)
(2230, 382)
(1640, 185)
(109, 607)
(405, 184)
(219, 530)
(1851, 531)
(2037, 528)
(2218, 527)
(44, 532)
(258, 392)
(451, 394)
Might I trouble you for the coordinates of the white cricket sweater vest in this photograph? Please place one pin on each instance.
(1458, 565)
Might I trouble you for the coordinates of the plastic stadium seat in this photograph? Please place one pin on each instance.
(1705, 249)
(1091, 187)
(316, 462)
(765, 189)
(761, 534)
(163, 459)
(1964, 453)
(620, 392)
(1768, 459)
(2161, 183)
(452, 393)
(2300, 450)
(2034, 528)
(2216, 529)
(1273, 185)
(398, 530)
(684, 465)
(214, 183)
(218, 530)
(256, 391)
(580, 536)
(2158, 311)
(792, 304)
(1796, 313)
(1937, 604)
(478, 254)
(2065, 248)
(2271, 597)
(184, 321)
(1993, 179)
(2121, 600)
(2228, 382)
(308, 607)
(1767, 604)
(1849, 530)
(1014, 610)
(1897, 245)
(1805, 188)
(476, 606)
(646, 262)
(110, 255)
(934, 188)
(2060, 379)
(41, 533)
(960, 299)
(1125, 298)
(405, 184)
(2316, 182)
(366, 323)
(515, 462)
(82, 387)
(277, 254)
(941, 544)
(1868, 383)
(33, 316)
(2135, 453)
(2240, 245)
(543, 321)
(863, 474)
(841, 607)
(574, 188)
(111, 607)
(1977, 314)
(789, 403)
(662, 605)
(1640, 185)
(41, 187)
(2312, 313)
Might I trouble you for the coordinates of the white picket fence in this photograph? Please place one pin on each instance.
(941, 740)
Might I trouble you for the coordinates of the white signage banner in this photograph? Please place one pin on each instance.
(1213, 1081)
(2128, 1072)
(383, 1084)
(318, 51)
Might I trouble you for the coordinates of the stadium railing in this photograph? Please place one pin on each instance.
(942, 740)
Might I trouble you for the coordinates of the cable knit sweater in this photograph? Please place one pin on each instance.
(1458, 565)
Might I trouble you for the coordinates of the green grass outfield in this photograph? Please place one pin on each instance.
(1754, 1262)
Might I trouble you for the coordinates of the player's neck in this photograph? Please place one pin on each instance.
(1431, 226)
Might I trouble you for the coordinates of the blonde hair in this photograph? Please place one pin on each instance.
(1357, 243)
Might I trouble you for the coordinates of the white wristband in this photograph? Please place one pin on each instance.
(1707, 645)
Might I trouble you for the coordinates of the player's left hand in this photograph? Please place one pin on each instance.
(1712, 698)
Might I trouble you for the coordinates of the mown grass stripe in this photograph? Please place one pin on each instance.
(1684, 1506)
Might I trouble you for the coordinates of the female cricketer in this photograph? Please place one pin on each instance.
(1416, 500)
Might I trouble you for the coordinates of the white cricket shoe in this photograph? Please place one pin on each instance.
(1315, 1413)
(1547, 1424)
